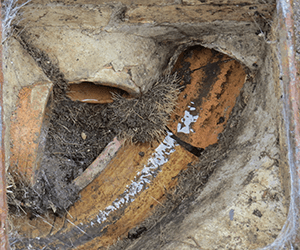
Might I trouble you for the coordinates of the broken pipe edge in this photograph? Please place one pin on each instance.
(98, 165)
(3, 203)
(289, 236)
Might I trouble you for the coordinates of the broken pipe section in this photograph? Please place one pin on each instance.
(212, 82)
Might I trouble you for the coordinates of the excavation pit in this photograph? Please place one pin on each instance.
(225, 183)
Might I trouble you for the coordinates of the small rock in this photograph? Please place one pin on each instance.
(83, 135)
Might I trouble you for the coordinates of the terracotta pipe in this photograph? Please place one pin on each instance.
(3, 205)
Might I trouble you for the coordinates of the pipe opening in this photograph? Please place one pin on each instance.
(89, 92)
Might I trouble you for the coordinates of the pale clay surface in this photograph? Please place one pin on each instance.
(101, 48)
